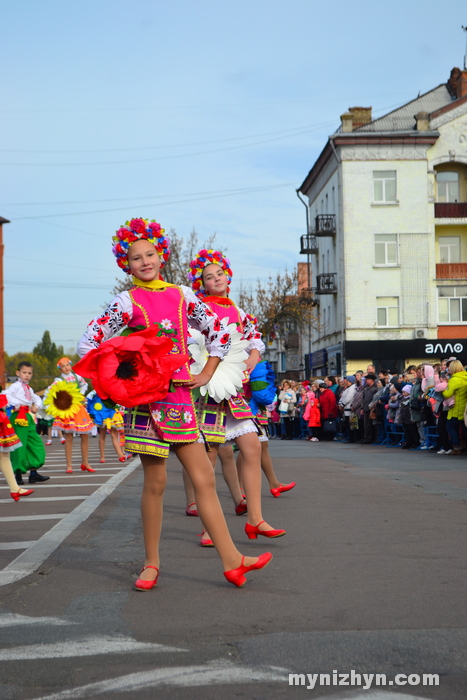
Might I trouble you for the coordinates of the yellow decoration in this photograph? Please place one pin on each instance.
(152, 284)
(98, 406)
(63, 400)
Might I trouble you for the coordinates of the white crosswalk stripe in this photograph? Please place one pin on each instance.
(13, 620)
(16, 545)
(18, 518)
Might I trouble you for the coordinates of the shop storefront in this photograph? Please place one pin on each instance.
(397, 354)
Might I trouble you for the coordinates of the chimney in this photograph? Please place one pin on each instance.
(361, 116)
(422, 120)
(457, 83)
(347, 122)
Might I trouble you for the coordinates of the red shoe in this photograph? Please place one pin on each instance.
(237, 576)
(16, 495)
(69, 470)
(282, 488)
(62, 440)
(86, 468)
(122, 459)
(253, 531)
(242, 508)
(205, 541)
(193, 512)
(102, 461)
(141, 585)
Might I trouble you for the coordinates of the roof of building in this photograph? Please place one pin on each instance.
(402, 118)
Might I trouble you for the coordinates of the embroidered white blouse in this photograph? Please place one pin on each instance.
(16, 396)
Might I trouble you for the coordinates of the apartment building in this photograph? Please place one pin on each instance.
(386, 239)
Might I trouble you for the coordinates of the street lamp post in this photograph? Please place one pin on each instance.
(2, 335)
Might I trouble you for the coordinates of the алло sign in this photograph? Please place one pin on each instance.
(374, 349)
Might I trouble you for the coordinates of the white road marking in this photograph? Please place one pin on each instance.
(16, 545)
(17, 518)
(101, 469)
(53, 485)
(35, 499)
(87, 646)
(13, 620)
(216, 673)
(30, 560)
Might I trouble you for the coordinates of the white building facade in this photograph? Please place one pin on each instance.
(387, 235)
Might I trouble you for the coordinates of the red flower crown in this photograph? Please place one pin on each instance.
(202, 259)
(135, 230)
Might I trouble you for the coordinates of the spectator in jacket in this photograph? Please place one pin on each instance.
(457, 389)
(412, 438)
(313, 417)
(415, 403)
(345, 404)
(329, 412)
(287, 401)
(369, 390)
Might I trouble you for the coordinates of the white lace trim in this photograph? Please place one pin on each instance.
(243, 430)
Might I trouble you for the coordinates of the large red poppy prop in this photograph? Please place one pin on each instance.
(133, 369)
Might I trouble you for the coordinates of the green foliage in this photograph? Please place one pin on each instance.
(43, 359)
(48, 349)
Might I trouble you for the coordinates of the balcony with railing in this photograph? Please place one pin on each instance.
(325, 225)
(308, 244)
(327, 283)
(450, 210)
(451, 271)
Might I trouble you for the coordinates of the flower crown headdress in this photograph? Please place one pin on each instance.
(135, 230)
(202, 259)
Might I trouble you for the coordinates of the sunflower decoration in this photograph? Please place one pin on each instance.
(228, 378)
(63, 400)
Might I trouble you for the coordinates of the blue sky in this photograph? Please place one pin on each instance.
(199, 114)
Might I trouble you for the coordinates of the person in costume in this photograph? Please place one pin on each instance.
(151, 429)
(210, 276)
(9, 442)
(30, 455)
(106, 419)
(64, 399)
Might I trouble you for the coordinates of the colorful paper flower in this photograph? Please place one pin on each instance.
(132, 370)
(63, 400)
(228, 378)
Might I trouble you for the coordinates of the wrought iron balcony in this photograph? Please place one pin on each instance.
(450, 210)
(327, 283)
(325, 225)
(308, 244)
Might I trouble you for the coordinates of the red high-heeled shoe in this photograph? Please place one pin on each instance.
(16, 495)
(282, 488)
(102, 461)
(253, 531)
(86, 468)
(193, 512)
(122, 459)
(242, 507)
(205, 541)
(69, 470)
(237, 576)
(141, 585)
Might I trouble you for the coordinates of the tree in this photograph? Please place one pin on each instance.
(48, 349)
(182, 251)
(280, 307)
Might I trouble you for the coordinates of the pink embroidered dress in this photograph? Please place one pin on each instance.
(229, 419)
(152, 428)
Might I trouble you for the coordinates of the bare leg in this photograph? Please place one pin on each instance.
(85, 449)
(68, 449)
(229, 472)
(102, 432)
(250, 449)
(116, 442)
(239, 465)
(189, 490)
(155, 479)
(7, 471)
(193, 458)
(267, 467)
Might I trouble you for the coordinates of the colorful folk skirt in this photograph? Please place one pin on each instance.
(217, 421)
(115, 422)
(9, 441)
(80, 423)
(152, 428)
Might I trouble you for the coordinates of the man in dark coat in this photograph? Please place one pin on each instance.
(369, 391)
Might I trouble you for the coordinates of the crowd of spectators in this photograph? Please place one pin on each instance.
(420, 408)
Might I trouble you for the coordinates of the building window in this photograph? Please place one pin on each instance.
(386, 249)
(384, 185)
(452, 304)
(449, 249)
(283, 362)
(387, 311)
(448, 187)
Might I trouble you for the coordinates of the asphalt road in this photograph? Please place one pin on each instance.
(370, 578)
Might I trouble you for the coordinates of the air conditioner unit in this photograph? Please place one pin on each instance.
(420, 333)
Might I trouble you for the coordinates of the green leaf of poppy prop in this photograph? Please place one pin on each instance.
(132, 329)
(132, 370)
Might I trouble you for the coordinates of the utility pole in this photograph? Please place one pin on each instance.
(465, 55)
(2, 334)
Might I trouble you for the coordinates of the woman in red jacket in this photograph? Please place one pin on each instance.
(313, 416)
(329, 411)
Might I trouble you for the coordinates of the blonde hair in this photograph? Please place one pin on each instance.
(455, 366)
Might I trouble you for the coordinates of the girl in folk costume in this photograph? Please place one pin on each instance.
(210, 276)
(152, 428)
(9, 442)
(67, 392)
(263, 371)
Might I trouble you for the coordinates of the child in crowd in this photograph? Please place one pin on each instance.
(31, 455)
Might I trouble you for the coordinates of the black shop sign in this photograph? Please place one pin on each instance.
(373, 349)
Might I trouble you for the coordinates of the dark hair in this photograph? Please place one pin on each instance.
(410, 368)
(372, 376)
(24, 363)
(331, 378)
